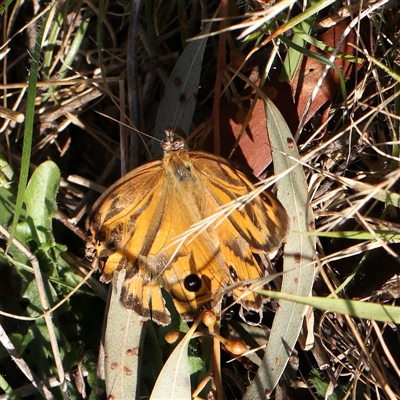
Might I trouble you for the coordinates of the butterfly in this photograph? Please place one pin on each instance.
(135, 222)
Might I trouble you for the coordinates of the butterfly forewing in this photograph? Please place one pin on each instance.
(262, 222)
(119, 223)
(135, 223)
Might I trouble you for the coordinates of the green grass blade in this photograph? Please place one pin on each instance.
(28, 128)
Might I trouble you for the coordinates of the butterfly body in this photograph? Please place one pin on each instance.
(135, 223)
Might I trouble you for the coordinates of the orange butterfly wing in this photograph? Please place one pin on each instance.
(135, 221)
(119, 228)
(259, 227)
(263, 222)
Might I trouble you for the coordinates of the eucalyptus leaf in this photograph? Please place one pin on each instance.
(179, 101)
(298, 267)
(123, 344)
(174, 379)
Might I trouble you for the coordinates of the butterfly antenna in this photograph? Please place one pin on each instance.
(128, 126)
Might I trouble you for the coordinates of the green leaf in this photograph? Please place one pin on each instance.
(38, 350)
(40, 201)
(321, 386)
(31, 293)
(29, 120)
(7, 193)
(319, 58)
(293, 57)
(8, 389)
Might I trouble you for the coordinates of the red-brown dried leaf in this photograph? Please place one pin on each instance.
(310, 71)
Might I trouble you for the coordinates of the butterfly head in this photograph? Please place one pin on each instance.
(173, 142)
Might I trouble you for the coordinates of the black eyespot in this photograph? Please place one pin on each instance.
(233, 273)
(192, 283)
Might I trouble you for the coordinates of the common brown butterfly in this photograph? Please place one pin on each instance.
(135, 221)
